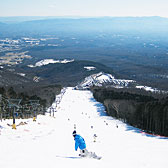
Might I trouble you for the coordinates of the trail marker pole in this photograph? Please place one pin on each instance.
(94, 136)
(53, 111)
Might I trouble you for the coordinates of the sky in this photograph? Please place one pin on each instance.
(84, 8)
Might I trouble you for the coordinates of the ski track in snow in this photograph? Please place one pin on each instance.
(48, 142)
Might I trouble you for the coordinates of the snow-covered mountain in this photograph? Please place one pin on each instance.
(104, 79)
(101, 79)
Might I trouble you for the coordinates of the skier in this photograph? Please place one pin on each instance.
(80, 142)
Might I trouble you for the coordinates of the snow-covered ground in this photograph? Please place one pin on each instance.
(147, 88)
(48, 142)
(49, 61)
(89, 68)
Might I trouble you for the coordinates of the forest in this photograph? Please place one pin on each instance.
(141, 111)
(10, 93)
(45, 95)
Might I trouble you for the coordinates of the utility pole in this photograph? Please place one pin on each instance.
(13, 105)
(34, 104)
(13, 115)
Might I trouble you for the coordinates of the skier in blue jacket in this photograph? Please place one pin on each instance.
(80, 142)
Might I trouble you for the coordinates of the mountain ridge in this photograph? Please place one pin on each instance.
(138, 24)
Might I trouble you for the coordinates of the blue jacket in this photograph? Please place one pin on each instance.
(79, 142)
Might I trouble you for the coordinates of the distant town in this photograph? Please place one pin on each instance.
(12, 51)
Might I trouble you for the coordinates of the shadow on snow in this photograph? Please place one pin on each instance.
(137, 130)
(101, 111)
(69, 157)
(100, 107)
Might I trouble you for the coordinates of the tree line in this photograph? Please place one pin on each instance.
(141, 111)
(10, 93)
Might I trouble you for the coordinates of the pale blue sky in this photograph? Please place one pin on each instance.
(84, 8)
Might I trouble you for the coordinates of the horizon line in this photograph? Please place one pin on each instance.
(85, 16)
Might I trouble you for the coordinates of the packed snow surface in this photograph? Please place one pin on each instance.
(48, 142)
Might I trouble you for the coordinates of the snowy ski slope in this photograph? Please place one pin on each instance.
(48, 142)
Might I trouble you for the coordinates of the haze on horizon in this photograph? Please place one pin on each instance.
(82, 8)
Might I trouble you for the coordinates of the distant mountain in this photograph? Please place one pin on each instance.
(84, 25)
(17, 19)
(65, 73)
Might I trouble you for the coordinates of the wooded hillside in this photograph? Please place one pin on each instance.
(141, 111)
